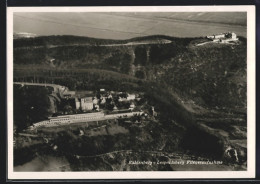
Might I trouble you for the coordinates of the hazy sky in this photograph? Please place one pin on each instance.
(128, 25)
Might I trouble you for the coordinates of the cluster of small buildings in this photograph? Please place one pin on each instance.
(223, 37)
(87, 102)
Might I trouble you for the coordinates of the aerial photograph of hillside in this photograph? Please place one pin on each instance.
(129, 91)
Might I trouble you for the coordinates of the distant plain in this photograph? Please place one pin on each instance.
(127, 25)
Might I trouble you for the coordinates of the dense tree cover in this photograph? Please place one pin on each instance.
(30, 105)
(67, 57)
(202, 142)
(71, 51)
(87, 79)
(140, 74)
(30, 55)
(140, 56)
(152, 139)
(160, 53)
(61, 40)
(207, 74)
(213, 75)
(210, 75)
(69, 40)
(164, 102)
(120, 61)
(62, 55)
(85, 145)
(23, 155)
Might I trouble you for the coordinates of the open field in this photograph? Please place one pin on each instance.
(129, 25)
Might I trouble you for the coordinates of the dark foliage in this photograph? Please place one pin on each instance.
(140, 74)
(70, 40)
(160, 53)
(30, 105)
(140, 56)
(202, 142)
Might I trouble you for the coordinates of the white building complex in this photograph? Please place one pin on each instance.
(84, 104)
(223, 37)
(67, 119)
(77, 118)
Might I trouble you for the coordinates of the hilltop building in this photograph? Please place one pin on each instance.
(223, 37)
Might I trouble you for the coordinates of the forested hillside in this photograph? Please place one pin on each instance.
(212, 75)
(198, 90)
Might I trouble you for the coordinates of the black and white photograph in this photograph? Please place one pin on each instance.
(131, 89)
